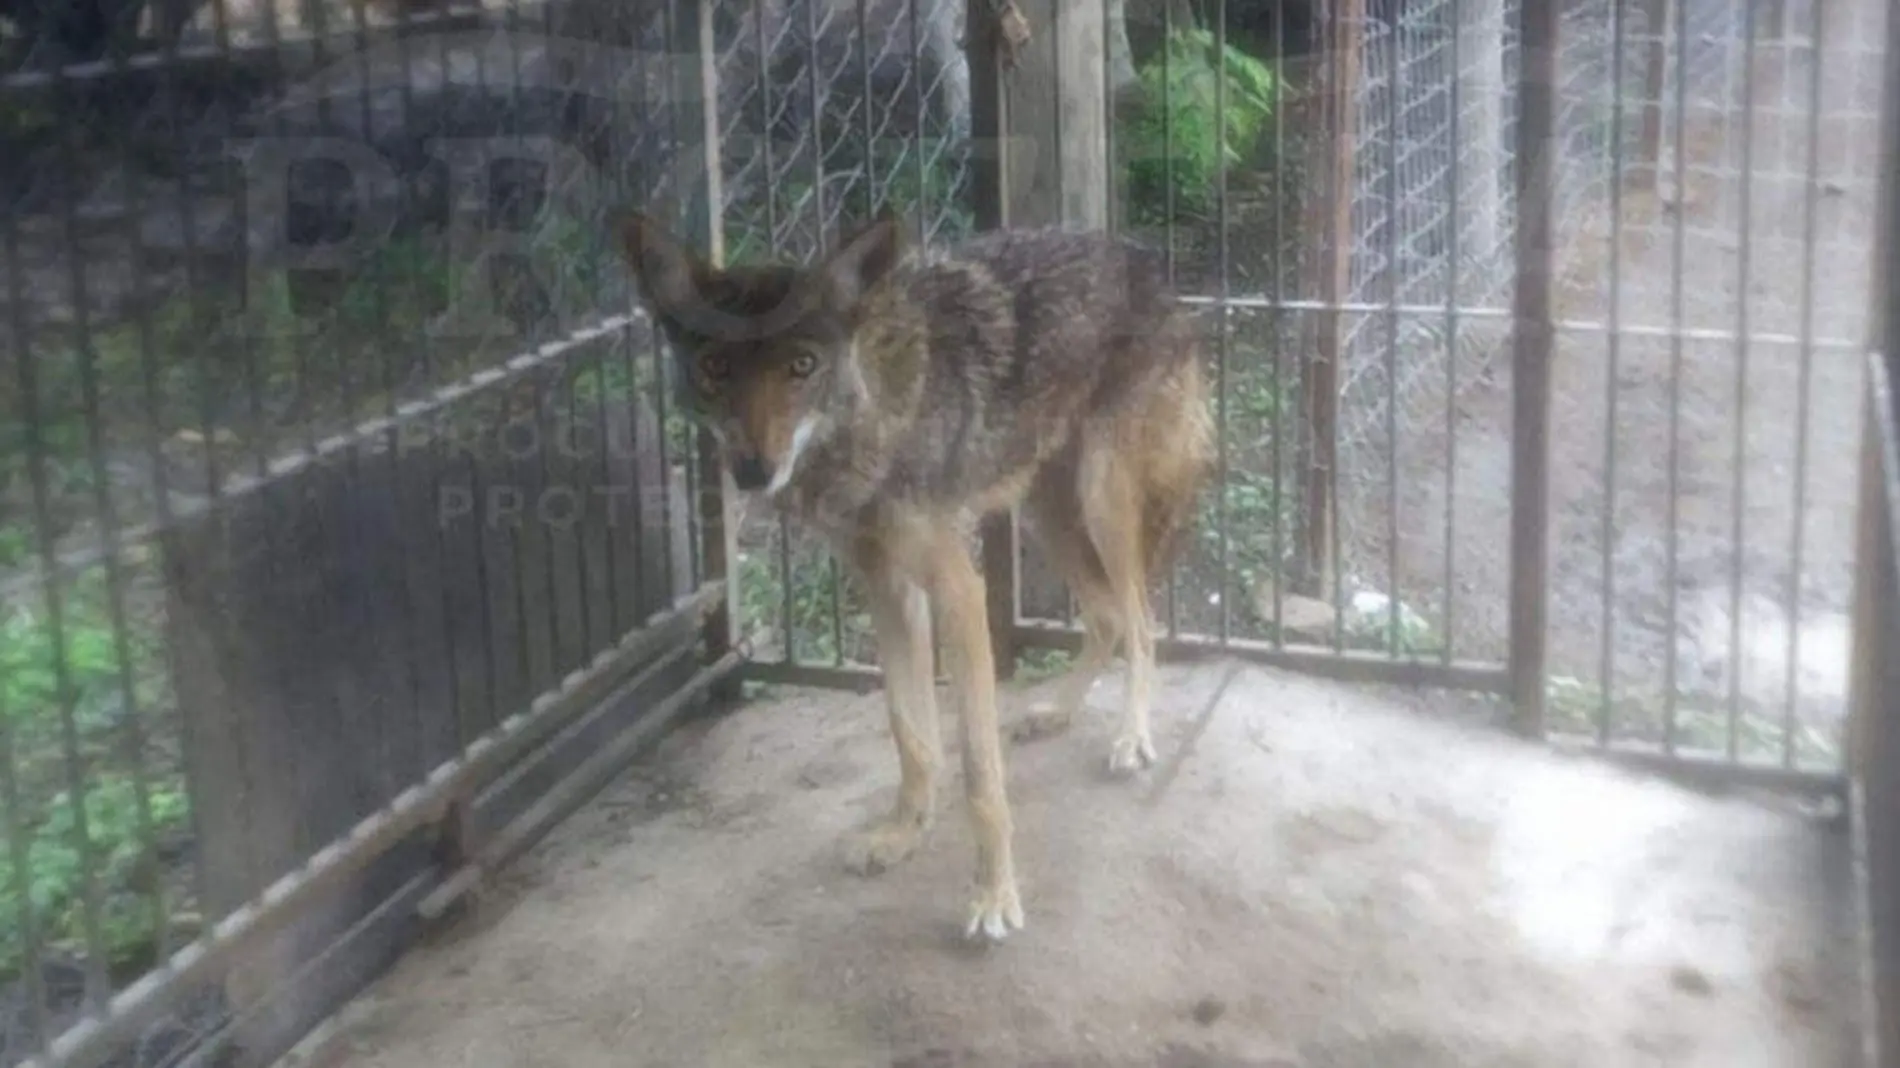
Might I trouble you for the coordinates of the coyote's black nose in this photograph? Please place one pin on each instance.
(750, 474)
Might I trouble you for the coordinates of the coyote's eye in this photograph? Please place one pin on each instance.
(804, 364)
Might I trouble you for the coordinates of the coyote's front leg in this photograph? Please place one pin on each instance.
(959, 591)
(900, 614)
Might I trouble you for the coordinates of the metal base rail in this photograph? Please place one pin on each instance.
(1318, 660)
(94, 1039)
(578, 787)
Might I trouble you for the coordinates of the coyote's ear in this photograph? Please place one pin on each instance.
(666, 272)
(864, 259)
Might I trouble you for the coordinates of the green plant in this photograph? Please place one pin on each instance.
(813, 638)
(45, 677)
(1181, 139)
(55, 880)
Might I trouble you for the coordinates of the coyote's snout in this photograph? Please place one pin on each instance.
(889, 399)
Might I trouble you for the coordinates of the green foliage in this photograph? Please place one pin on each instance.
(1176, 141)
(56, 872)
(762, 593)
(1040, 665)
(1700, 722)
(40, 672)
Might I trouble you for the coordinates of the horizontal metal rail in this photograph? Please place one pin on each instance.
(1318, 660)
(130, 542)
(1705, 768)
(577, 788)
(94, 1039)
(300, 45)
(1493, 313)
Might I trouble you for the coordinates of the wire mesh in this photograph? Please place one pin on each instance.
(830, 111)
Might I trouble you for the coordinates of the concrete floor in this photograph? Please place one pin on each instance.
(1336, 876)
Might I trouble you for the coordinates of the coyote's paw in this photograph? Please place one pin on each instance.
(1130, 753)
(882, 846)
(994, 913)
(1043, 720)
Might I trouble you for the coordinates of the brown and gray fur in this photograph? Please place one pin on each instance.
(890, 398)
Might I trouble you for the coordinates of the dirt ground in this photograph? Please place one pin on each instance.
(1778, 478)
(1312, 876)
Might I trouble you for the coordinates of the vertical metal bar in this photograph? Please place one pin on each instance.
(582, 572)
(1532, 342)
(540, 398)
(45, 538)
(1321, 389)
(1221, 340)
(19, 861)
(717, 521)
(1056, 142)
(870, 208)
(990, 210)
(1348, 44)
(1393, 219)
(1677, 298)
(920, 106)
(1167, 141)
(132, 734)
(1744, 258)
(1276, 325)
(815, 142)
(1612, 392)
(413, 608)
(1109, 144)
(1810, 228)
(1656, 20)
(1454, 255)
(388, 777)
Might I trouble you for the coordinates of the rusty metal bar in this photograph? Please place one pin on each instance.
(1331, 231)
(94, 1039)
(1532, 343)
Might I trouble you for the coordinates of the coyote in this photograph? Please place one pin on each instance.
(890, 398)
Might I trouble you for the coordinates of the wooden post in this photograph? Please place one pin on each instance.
(1655, 69)
(1041, 133)
(1533, 339)
(1330, 227)
(696, 95)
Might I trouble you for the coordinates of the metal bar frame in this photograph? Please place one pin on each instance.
(94, 1039)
